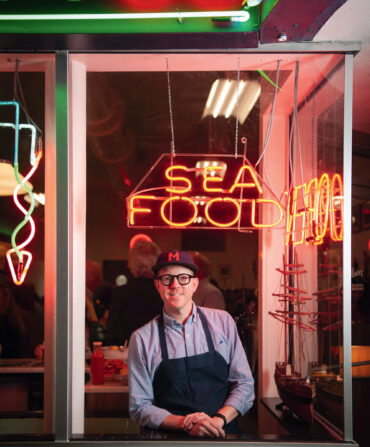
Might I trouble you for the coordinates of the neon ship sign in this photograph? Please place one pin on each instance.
(191, 191)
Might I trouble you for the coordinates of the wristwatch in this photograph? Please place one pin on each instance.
(219, 415)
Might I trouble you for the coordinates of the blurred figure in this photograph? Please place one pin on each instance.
(33, 317)
(96, 314)
(12, 327)
(137, 302)
(102, 299)
(94, 277)
(207, 294)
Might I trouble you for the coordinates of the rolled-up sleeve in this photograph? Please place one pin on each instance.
(141, 399)
(241, 381)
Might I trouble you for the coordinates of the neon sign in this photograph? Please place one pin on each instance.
(20, 268)
(222, 192)
(314, 210)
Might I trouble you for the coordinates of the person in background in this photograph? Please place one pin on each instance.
(207, 294)
(12, 326)
(94, 331)
(137, 302)
(94, 276)
(33, 317)
(187, 368)
(102, 299)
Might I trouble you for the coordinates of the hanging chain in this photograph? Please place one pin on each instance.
(237, 110)
(170, 107)
(19, 96)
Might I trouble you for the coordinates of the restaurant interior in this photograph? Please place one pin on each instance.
(290, 131)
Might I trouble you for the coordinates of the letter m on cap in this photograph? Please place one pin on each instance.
(173, 256)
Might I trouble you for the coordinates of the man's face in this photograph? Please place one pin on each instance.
(176, 297)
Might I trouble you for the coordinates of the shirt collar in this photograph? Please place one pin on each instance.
(172, 323)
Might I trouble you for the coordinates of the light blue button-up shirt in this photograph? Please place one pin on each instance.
(184, 341)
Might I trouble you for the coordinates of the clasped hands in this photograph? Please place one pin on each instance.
(200, 424)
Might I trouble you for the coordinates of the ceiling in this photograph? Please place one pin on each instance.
(351, 23)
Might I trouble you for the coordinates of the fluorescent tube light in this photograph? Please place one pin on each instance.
(234, 99)
(224, 95)
(220, 100)
(239, 16)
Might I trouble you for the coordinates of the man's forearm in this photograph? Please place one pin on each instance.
(229, 412)
(173, 422)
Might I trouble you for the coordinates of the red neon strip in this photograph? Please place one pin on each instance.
(218, 224)
(254, 184)
(139, 237)
(179, 224)
(19, 276)
(322, 201)
(207, 179)
(256, 225)
(310, 209)
(179, 189)
(18, 279)
(336, 216)
(132, 210)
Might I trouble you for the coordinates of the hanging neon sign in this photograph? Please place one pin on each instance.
(192, 191)
(314, 210)
(23, 258)
(201, 191)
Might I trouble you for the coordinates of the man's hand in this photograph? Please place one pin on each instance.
(201, 425)
(191, 419)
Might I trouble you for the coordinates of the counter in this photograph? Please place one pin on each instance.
(22, 383)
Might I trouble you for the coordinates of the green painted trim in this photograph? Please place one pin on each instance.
(266, 7)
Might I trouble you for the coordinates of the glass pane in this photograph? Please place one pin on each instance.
(22, 133)
(318, 151)
(133, 113)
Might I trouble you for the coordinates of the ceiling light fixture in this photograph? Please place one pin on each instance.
(237, 16)
(230, 97)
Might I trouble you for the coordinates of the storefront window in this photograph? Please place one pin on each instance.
(318, 152)
(24, 133)
(286, 127)
(236, 158)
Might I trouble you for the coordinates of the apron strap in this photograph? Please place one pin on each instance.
(162, 335)
(162, 338)
(207, 332)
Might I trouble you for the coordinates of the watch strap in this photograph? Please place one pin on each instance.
(219, 415)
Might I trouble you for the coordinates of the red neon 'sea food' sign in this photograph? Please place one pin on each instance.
(191, 191)
(195, 191)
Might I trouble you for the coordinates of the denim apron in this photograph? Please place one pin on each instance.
(198, 383)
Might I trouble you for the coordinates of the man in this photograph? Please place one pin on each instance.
(187, 368)
(207, 294)
(137, 302)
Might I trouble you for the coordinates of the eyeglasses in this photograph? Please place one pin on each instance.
(182, 279)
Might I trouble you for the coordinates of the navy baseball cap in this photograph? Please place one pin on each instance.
(175, 257)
